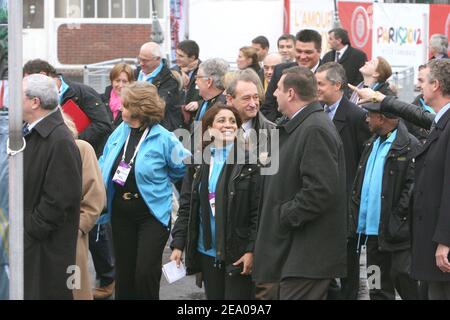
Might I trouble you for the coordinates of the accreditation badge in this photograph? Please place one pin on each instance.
(212, 202)
(122, 172)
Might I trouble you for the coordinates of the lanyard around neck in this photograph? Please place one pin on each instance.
(137, 147)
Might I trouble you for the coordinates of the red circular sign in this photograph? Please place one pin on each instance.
(360, 28)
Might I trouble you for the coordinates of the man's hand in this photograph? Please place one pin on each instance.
(247, 260)
(176, 256)
(191, 106)
(442, 257)
(367, 95)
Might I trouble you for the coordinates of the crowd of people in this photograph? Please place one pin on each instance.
(355, 169)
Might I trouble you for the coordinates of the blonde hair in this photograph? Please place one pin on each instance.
(143, 102)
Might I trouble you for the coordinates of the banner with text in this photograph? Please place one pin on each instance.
(317, 15)
(399, 33)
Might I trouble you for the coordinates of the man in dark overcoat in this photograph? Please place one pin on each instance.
(52, 194)
(301, 241)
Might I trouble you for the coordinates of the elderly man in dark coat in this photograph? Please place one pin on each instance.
(301, 239)
(52, 193)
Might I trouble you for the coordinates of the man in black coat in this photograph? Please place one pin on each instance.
(301, 240)
(343, 53)
(187, 56)
(308, 46)
(153, 68)
(380, 205)
(431, 203)
(350, 121)
(89, 101)
(52, 194)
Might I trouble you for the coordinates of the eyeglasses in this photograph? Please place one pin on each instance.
(199, 77)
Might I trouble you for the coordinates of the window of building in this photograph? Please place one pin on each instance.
(107, 8)
(33, 14)
(89, 9)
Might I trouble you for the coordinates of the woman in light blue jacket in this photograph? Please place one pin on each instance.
(140, 162)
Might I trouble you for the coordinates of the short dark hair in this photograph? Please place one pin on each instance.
(262, 41)
(302, 80)
(38, 66)
(309, 35)
(190, 47)
(342, 34)
(285, 36)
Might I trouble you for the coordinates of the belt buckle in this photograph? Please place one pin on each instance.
(126, 196)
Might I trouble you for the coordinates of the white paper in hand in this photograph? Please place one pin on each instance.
(172, 272)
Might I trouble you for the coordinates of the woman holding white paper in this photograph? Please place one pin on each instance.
(217, 219)
(140, 162)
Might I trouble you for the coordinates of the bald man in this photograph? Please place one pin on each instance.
(153, 68)
(269, 63)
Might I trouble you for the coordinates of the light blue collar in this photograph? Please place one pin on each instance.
(426, 107)
(151, 76)
(62, 90)
(331, 110)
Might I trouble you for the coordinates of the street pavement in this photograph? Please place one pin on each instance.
(186, 289)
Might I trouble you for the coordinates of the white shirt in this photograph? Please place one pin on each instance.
(341, 52)
(295, 114)
(313, 69)
(246, 126)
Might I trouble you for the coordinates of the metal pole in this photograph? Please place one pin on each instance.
(15, 16)
(336, 21)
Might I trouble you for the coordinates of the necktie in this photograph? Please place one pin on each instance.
(337, 56)
(25, 130)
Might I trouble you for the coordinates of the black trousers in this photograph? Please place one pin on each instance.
(350, 284)
(304, 289)
(394, 272)
(220, 286)
(100, 246)
(439, 290)
(139, 240)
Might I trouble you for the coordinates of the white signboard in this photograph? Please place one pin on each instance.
(222, 27)
(317, 15)
(400, 33)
